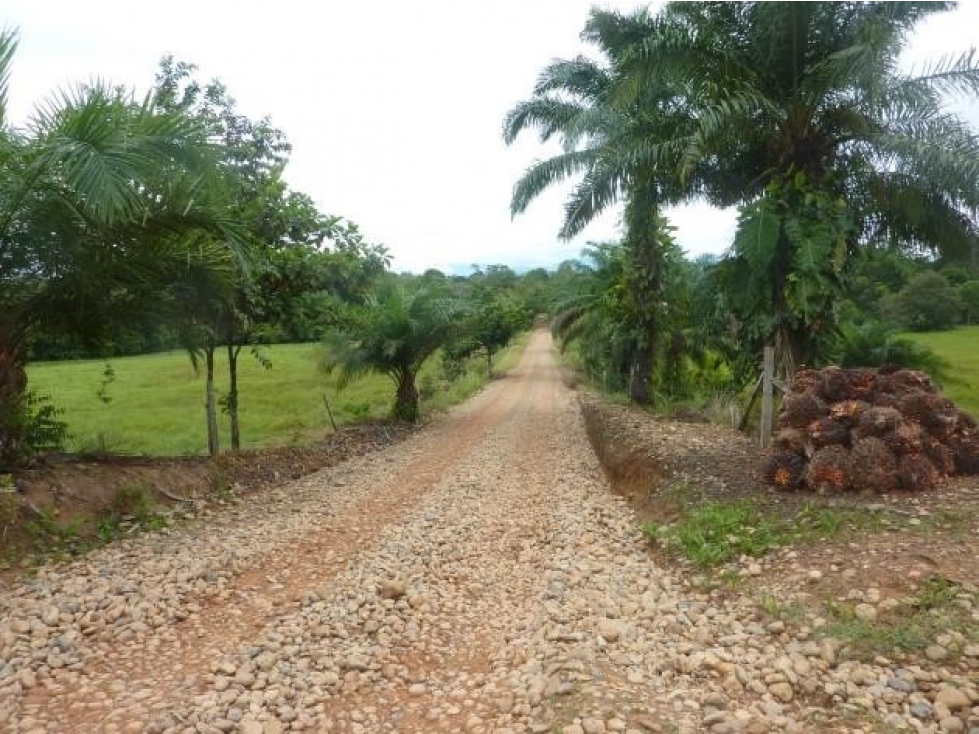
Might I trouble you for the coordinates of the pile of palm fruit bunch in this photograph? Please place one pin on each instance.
(869, 430)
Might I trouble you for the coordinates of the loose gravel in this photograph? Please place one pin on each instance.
(478, 577)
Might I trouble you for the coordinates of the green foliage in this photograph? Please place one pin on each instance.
(132, 506)
(108, 377)
(105, 203)
(394, 334)
(29, 425)
(910, 628)
(968, 293)
(49, 534)
(9, 504)
(874, 344)
(929, 302)
(957, 348)
(785, 279)
(717, 532)
(797, 113)
(714, 532)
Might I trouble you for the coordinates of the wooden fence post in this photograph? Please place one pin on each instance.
(767, 401)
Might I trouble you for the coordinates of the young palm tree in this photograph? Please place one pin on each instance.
(104, 204)
(803, 115)
(394, 334)
(615, 149)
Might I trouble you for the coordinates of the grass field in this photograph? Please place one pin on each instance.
(157, 401)
(960, 348)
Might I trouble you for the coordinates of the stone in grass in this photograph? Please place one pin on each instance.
(865, 612)
(872, 465)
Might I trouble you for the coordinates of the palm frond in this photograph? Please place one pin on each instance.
(8, 47)
(547, 172)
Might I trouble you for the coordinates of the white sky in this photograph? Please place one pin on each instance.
(394, 108)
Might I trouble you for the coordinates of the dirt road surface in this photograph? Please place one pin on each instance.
(478, 577)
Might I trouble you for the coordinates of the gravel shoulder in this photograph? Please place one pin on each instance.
(480, 576)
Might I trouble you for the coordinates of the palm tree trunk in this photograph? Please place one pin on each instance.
(641, 374)
(406, 400)
(233, 352)
(13, 385)
(644, 279)
(210, 405)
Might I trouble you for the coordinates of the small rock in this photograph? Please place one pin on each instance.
(50, 616)
(865, 612)
(902, 684)
(715, 700)
(922, 710)
(814, 576)
(592, 725)
(393, 589)
(951, 724)
(610, 630)
(952, 698)
(936, 652)
(417, 689)
(781, 691)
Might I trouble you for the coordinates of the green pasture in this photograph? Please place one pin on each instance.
(156, 401)
(960, 348)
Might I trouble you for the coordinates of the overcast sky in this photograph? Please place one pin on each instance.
(393, 107)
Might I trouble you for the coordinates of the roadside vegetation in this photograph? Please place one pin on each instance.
(152, 405)
(854, 181)
(959, 349)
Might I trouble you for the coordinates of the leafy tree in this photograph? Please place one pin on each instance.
(927, 303)
(615, 149)
(301, 265)
(394, 333)
(798, 111)
(968, 294)
(587, 310)
(105, 203)
(496, 319)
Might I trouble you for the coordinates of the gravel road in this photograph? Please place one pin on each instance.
(477, 577)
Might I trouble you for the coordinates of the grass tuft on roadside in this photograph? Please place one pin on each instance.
(713, 532)
(940, 612)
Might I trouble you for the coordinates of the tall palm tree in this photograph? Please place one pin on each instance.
(397, 330)
(807, 122)
(619, 152)
(104, 204)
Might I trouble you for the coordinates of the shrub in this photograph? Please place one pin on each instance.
(28, 427)
(927, 303)
(969, 297)
(874, 344)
